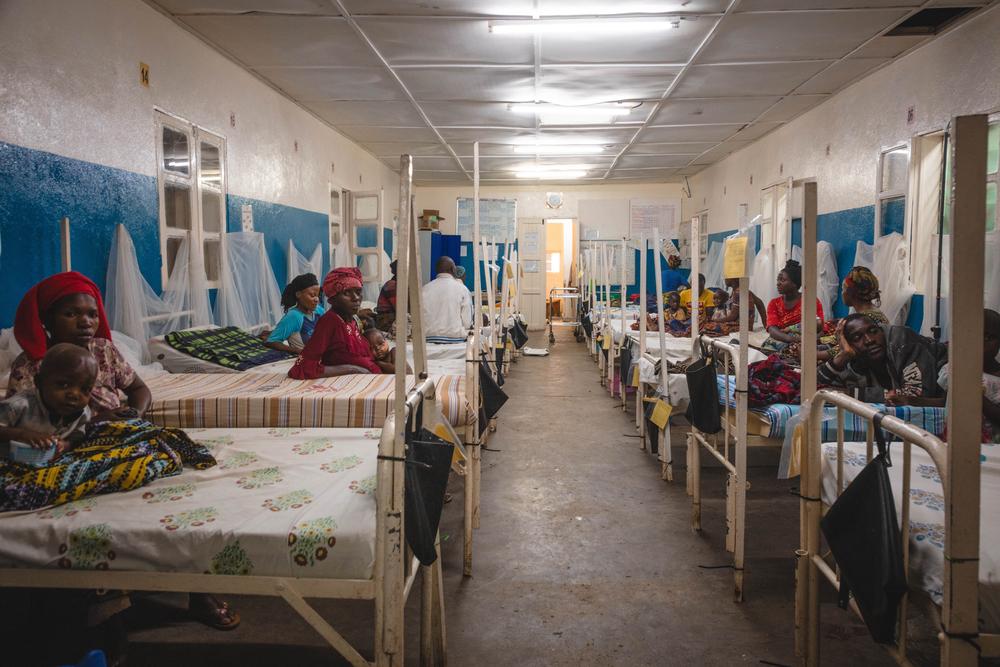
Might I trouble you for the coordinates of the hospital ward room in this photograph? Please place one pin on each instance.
(489, 333)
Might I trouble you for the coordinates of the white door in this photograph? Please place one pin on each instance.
(531, 252)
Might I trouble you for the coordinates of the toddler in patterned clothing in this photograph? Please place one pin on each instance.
(55, 411)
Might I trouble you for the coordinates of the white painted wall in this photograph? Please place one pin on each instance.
(957, 73)
(531, 198)
(69, 84)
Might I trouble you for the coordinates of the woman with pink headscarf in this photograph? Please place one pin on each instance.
(337, 346)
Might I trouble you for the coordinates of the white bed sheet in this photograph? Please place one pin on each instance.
(293, 502)
(927, 518)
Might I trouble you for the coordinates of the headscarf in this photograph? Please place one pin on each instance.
(673, 261)
(29, 322)
(861, 284)
(794, 272)
(299, 283)
(340, 279)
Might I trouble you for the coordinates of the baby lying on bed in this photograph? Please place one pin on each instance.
(52, 415)
(381, 349)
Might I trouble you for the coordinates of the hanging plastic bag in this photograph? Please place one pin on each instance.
(428, 462)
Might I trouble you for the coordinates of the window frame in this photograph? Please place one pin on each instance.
(883, 196)
(196, 185)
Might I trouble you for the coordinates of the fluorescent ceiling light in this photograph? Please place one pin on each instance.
(583, 27)
(588, 111)
(558, 149)
(548, 174)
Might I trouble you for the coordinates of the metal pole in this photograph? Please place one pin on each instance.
(65, 245)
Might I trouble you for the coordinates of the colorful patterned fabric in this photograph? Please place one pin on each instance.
(272, 399)
(229, 347)
(334, 342)
(340, 279)
(772, 381)
(114, 374)
(283, 502)
(113, 456)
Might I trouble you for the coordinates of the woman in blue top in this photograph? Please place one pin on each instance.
(302, 310)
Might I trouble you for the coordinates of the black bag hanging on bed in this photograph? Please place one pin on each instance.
(703, 407)
(863, 533)
(428, 461)
(493, 396)
(625, 365)
(518, 334)
(652, 430)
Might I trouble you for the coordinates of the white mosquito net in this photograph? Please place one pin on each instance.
(370, 269)
(712, 266)
(248, 297)
(827, 281)
(299, 263)
(991, 282)
(133, 307)
(763, 276)
(889, 260)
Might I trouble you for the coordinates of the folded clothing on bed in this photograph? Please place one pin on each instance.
(230, 347)
(113, 456)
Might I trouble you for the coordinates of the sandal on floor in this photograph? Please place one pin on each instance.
(218, 615)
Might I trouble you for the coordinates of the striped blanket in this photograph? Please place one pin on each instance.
(113, 456)
(931, 420)
(229, 347)
(275, 400)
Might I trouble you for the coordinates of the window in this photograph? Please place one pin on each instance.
(192, 189)
(336, 221)
(554, 265)
(703, 233)
(893, 174)
(992, 179)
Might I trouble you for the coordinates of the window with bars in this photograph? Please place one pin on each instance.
(893, 174)
(191, 180)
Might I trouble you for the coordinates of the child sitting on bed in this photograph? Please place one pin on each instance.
(55, 412)
(721, 312)
(302, 310)
(675, 315)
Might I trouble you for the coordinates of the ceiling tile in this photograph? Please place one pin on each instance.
(745, 80)
(392, 150)
(477, 85)
(417, 42)
(840, 74)
(795, 36)
(641, 174)
(593, 83)
(651, 161)
(367, 133)
(690, 148)
(889, 47)
(440, 7)
(691, 171)
(790, 107)
(492, 135)
(673, 46)
(513, 163)
(445, 114)
(439, 163)
(285, 40)
(312, 7)
(391, 114)
(689, 133)
(778, 5)
(719, 152)
(712, 110)
(755, 131)
(604, 136)
(334, 83)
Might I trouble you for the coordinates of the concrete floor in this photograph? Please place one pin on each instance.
(585, 557)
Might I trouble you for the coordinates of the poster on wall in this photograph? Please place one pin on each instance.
(497, 219)
(648, 215)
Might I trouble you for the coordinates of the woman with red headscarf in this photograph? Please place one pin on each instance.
(337, 346)
(67, 308)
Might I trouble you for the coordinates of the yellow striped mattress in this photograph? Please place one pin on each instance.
(247, 400)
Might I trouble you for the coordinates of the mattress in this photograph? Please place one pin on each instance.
(776, 417)
(248, 400)
(927, 518)
(281, 502)
(175, 361)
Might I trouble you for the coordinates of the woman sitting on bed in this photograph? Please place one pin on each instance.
(859, 292)
(67, 308)
(337, 346)
(302, 311)
(784, 312)
(893, 365)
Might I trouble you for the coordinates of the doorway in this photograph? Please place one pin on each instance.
(561, 258)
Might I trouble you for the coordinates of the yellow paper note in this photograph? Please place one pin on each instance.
(606, 341)
(734, 263)
(635, 376)
(661, 413)
(458, 454)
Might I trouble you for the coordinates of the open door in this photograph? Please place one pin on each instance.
(531, 252)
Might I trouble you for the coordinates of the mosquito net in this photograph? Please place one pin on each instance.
(299, 263)
(827, 281)
(248, 297)
(133, 307)
(991, 280)
(889, 260)
(712, 266)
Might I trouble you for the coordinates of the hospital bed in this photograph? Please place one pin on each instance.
(295, 514)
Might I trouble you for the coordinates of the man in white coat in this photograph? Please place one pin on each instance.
(447, 305)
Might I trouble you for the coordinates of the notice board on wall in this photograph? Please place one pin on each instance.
(648, 215)
(497, 219)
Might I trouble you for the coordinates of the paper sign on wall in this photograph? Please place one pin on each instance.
(734, 261)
